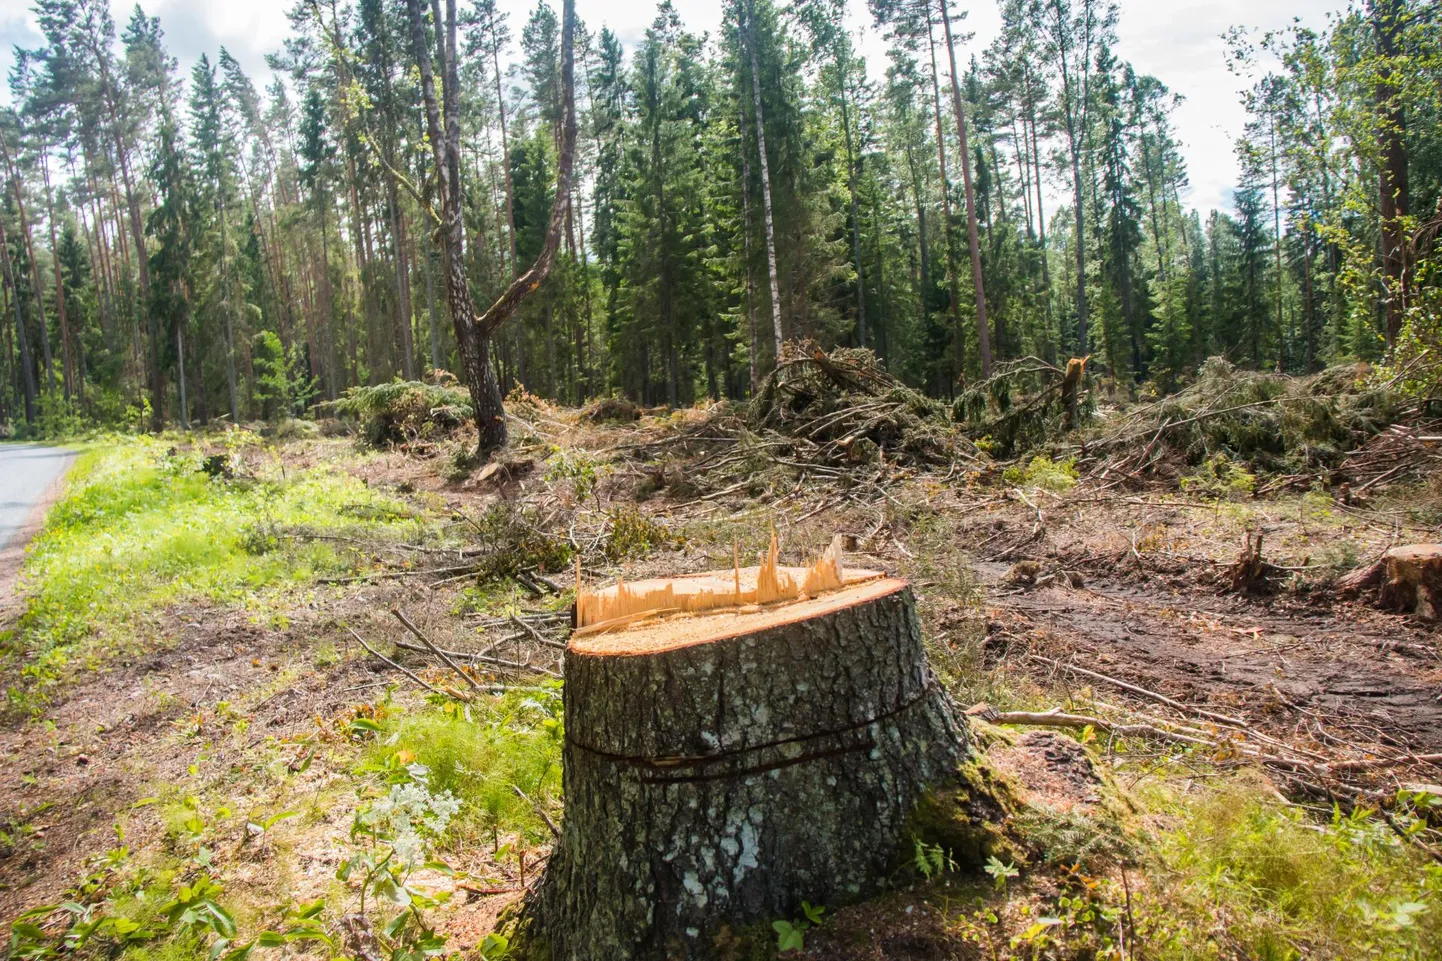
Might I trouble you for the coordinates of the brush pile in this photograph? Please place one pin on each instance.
(407, 412)
(1023, 405)
(843, 408)
(1270, 424)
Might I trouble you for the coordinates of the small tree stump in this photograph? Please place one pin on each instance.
(1413, 581)
(720, 768)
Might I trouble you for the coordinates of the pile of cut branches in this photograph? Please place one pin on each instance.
(407, 412)
(1273, 424)
(1024, 404)
(1402, 452)
(842, 408)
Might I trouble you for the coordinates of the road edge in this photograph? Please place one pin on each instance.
(12, 555)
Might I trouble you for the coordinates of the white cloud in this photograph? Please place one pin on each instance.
(1178, 41)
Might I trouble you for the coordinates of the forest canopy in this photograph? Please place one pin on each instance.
(178, 249)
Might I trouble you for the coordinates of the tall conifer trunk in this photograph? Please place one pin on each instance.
(982, 332)
(765, 176)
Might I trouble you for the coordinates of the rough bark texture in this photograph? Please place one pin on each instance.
(1414, 580)
(720, 784)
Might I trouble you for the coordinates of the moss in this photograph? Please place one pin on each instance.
(969, 818)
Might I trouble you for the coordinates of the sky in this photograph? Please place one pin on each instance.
(1178, 41)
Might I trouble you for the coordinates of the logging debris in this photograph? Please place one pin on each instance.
(843, 408)
(404, 413)
(1025, 405)
(1297, 429)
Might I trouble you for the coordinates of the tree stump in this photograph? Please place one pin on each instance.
(1413, 580)
(721, 767)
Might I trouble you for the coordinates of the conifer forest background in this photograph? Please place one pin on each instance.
(178, 249)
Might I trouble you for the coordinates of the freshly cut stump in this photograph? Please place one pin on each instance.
(1413, 580)
(721, 767)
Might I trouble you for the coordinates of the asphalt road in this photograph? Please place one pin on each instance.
(26, 471)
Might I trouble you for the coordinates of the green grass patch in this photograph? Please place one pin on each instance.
(1291, 885)
(481, 754)
(141, 527)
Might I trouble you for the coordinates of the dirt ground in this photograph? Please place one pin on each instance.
(1294, 660)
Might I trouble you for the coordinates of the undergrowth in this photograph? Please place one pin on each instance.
(502, 761)
(142, 526)
(1287, 884)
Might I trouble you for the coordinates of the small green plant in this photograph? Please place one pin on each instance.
(634, 534)
(1000, 871)
(496, 947)
(481, 754)
(791, 935)
(1221, 477)
(578, 467)
(258, 829)
(1041, 471)
(932, 859)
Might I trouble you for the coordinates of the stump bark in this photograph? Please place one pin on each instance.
(1413, 581)
(721, 768)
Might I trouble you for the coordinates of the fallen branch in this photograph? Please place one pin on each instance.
(413, 676)
(485, 658)
(445, 658)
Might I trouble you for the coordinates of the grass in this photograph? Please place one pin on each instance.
(1287, 884)
(482, 754)
(141, 527)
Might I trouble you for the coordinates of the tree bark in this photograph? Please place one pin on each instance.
(39, 288)
(27, 371)
(982, 326)
(716, 783)
(473, 334)
(1394, 204)
(67, 365)
(765, 176)
(959, 345)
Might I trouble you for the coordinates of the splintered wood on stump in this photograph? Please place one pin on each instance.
(1413, 580)
(723, 764)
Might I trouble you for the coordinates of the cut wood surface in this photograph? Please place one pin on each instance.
(722, 766)
(745, 589)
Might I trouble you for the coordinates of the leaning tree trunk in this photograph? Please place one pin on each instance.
(720, 768)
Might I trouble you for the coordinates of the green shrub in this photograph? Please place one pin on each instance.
(1041, 471)
(1219, 476)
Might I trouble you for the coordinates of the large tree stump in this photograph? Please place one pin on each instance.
(1413, 580)
(720, 768)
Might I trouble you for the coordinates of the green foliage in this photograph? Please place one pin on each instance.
(404, 412)
(932, 859)
(635, 534)
(481, 754)
(1291, 887)
(791, 935)
(514, 541)
(1041, 471)
(576, 466)
(282, 387)
(1000, 871)
(141, 527)
(1220, 476)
